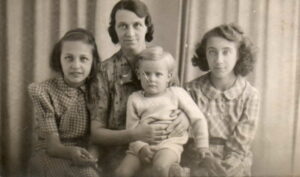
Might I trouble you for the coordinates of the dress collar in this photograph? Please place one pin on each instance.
(70, 91)
(212, 93)
(128, 74)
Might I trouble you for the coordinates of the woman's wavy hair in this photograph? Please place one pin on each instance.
(137, 7)
(231, 32)
(77, 34)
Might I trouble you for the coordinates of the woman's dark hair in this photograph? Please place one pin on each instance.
(137, 7)
(230, 32)
(78, 34)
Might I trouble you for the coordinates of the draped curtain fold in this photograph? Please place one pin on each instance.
(29, 29)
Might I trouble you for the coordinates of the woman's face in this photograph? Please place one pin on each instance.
(131, 30)
(76, 61)
(221, 56)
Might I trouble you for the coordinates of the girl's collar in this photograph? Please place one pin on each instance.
(223, 84)
(67, 88)
(233, 92)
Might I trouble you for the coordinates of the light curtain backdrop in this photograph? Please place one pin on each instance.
(29, 29)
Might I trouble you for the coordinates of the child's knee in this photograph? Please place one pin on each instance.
(161, 169)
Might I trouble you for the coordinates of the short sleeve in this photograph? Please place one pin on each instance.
(43, 108)
(99, 109)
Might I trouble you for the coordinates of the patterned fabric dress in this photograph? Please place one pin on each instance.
(232, 118)
(116, 82)
(62, 110)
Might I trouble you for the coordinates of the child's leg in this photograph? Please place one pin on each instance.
(129, 166)
(162, 161)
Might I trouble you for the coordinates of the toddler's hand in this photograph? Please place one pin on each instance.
(203, 153)
(146, 154)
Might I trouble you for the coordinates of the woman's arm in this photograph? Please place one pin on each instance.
(105, 136)
(143, 132)
(179, 125)
(99, 115)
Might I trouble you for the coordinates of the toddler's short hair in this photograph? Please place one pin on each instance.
(156, 53)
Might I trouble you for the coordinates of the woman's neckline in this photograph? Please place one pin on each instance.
(223, 84)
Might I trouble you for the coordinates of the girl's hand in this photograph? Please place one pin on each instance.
(146, 153)
(179, 125)
(151, 134)
(81, 156)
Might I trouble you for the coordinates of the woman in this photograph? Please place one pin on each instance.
(130, 27)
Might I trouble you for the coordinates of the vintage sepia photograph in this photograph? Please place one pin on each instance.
(150, 88)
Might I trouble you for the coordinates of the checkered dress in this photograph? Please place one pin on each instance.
(59, 109)
(232, 117)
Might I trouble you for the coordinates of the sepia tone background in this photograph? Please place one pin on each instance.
(29, 29)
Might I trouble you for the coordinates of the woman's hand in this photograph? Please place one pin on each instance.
(151, 134)
(81, 156)
(179, 125)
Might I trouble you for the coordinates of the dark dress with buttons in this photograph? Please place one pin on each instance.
(61, 110)
(117, 81)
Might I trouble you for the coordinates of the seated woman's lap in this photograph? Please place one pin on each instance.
(42, 164)
(211, 165)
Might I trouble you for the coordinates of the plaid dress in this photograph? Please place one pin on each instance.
(62, 110)
(232, 117)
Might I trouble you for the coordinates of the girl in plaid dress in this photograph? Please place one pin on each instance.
(229, 102)
(60, 110)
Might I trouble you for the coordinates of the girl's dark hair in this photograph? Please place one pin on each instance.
(78, 34)
(137, 7)
(231, 32)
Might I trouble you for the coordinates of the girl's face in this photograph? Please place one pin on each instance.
(154, 76)
(131, 30)
(221, 56)
(76, 61)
